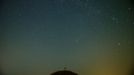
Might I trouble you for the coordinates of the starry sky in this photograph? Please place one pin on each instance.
(89, 37)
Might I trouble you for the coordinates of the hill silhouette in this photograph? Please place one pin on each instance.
(64, 72)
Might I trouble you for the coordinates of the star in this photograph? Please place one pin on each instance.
(98, 11)
(20, 14)
(115, 19)
(118, 43)
(77, 40)
(129, 9)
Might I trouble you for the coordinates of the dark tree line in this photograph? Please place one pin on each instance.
(132, 71)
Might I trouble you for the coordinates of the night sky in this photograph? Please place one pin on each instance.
(89, 37)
